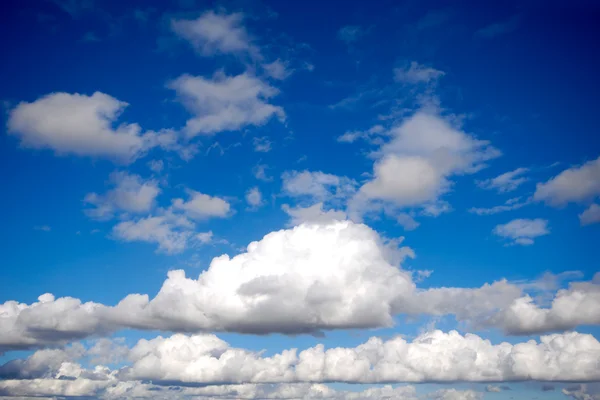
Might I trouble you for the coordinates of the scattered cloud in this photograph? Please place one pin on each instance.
(82, 125)
(262, 144)
(130, 194)
(574, 185)
(254, 198)
(352, 136)
(312, 214)
(417, 73)
(511, 204)
(225, 103)
(317, 185)
(201, 206)
(591, 215)
(156, 166)
(507, 182)
(522, 231)
(260, 173)
(43, 228)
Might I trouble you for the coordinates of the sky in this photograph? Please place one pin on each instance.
(300, 200)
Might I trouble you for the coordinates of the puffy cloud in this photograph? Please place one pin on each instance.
(312, 214)
(225, 103)
(577, 305)
(202, 206)
(522, 231)
(414, 167)
(576, 184)
(591, 215)
(130, 194)
(213, 33)
(318, 276)
(207, 359)
(83, 125)
(254, 197)
(453, 394)
(170, 232)
(156, 166)
(260, 173)
(317, 185)
(417, 73)
(506, 182)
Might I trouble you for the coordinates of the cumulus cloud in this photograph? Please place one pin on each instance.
(506, 182)
(225, 103)
(413, 169)
(130, 194)
(522, 231)
(254, 197)
(352, 136)
(591, 215)
(573, 185)
(577, 305)
(314, 277)
(417, 73)
(83, 125)
(209, 360)
(201, 206)
(214, 33)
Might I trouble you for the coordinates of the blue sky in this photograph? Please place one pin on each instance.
(451, 147)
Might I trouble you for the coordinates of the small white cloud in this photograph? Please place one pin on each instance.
(573, 185)
(523, 231)
(314, 214)
(318, 185)
(213, 33)
(43, 228)
(225, 103)
(254, 197)
(130, 194)
(260, 173)
(278, 69)
(507, 182)
(591, 215)
(262, 144)
(417, 73)
(202, 206)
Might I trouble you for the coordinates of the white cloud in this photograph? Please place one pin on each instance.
(352, 136)
(507, 182)
(202, 206)
(213, 33)
(43, 228)
(130, 194)
(316, 184)
(312, 214)
(81, 125)
(171, 233)
(413, 169)
(350, 33)
(254, 197)
(260, 173)
(207, 359)
(417, 73)
(591, 215)
(577, 305)
(225, 103)
(573, 185)
(262, 144)
(278, 69)
(511, 204)
(314, 277)
(523, 231)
